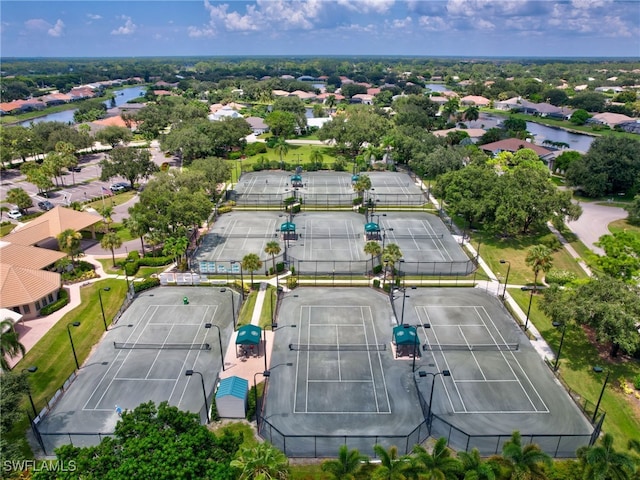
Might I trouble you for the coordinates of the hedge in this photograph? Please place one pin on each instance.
(146, 284)
(62, 301)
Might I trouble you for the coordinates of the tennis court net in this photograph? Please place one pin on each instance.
(160, 346)
(486, 347)
(333, 347)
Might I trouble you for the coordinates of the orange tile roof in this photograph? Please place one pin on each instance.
(28, 257)
(21, 286)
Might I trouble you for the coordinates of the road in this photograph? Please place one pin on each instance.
(593, 223)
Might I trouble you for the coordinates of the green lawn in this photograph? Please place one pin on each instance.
(577, 359)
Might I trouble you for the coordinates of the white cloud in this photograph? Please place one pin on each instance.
(406, 22)
(366, 6)
(37, 24)
(94, 16)
(127, 29)
(57, 30)
(433, 24)
(206, 32)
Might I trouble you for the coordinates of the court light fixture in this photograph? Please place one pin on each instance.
(422, 373)
(506, 280)
(209, 325)
(31, 369)
(73, 349)
(189, 373)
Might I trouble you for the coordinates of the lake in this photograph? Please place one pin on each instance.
(122, 96)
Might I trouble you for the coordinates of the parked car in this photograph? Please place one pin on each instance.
(45, 205)
(77, 168)
(15, 214)
(120, 187)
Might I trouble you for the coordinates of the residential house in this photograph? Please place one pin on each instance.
(257, 125)
(513, 145)
(225, 112)
(475, 100)
(609, 119)
(474, 133)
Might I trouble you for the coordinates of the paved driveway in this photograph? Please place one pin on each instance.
(594, 223)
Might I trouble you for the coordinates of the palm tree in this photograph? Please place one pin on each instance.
(602, 462)
(439, 464)
(450, 109)
(346, 465)
(137, 228)
(526, 463)
(176, 248)
(154, 238)
(69, 243)
(281, 147)
(472, 113)
(316, 157)
(261, 462)
(272, 248)
(106, 211)
(251, 262)
(475, 468)
(362, 185)
(9, 343)
(391, 465)
(539, 258)
(374, 249)
(111, 241)
(391, 254)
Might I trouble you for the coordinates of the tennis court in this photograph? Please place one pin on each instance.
(144, 357)
(324, 188)
(335, 378)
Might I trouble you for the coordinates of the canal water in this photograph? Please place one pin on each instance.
(121, 97)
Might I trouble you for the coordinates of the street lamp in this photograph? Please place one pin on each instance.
(265, 374)
(209, 325)
(422, 373)
(506, 280)
(73, 349)
(564, 329)
(189, 373)
(595, 413)
(31, 369)
(233, 306)
(104, 320)
(526, 322)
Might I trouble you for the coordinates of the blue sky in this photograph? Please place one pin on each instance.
(116, 28)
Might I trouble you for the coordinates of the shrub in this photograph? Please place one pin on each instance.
(636, 382)
(376, 283)
(133, 255)
(131, 268)
(295, 208)
(560, 277)
(146, 284)
(292, 283)
(63, 299)
(377, 269)
(235, 155)
(255, 148)
(154, 261)
(225, 209)
(271, 142)
(357, 200)
(552, 242)
(289, 200)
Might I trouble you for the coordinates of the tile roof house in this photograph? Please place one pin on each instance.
(610, 119)
(474, 133)
(25, 287)
(513, 145)
(475, 100)
(224, 112)
(257, 125)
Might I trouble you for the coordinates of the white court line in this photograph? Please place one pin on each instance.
(438, 241)
(295, 383)
(446, 362)
(384, 381)
(373, 380)
(488, 381)
(342, 381)
(475, 359)
(546, 409)
(338, 343)
(306, 398)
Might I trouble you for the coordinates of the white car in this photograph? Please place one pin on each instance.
(15, 214)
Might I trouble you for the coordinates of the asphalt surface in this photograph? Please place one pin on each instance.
(594, 222)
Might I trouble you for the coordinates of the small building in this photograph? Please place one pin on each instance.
(231, 397)
(248, 341)
(405, 338)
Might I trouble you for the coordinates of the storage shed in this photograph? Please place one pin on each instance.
(405, 338)
(231, 397)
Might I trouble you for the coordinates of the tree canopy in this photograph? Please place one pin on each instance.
(160, 442)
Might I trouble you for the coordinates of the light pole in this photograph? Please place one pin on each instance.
(526, 322)
(73, 349)
(265, 374)
(564, 329)
(506, 280)
(604, 385)
(233, 307)
(189, 373)
(104, 319)
(209, 325)
(31, 369)
(422, 373)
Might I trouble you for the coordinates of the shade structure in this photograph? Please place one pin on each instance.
(405, 335)
(296, 178)
(288, 227)
(354, 178)
(371, 227)
(248, 335)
